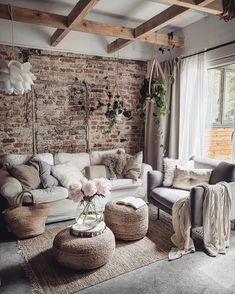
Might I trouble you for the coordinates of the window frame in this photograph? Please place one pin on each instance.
(222, 123)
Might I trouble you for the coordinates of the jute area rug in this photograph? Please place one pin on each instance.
(47, 276)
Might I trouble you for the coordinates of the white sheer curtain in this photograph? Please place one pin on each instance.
(193, 104)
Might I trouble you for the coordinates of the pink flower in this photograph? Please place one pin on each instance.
(75, 192)
(89, 188)
(103, 186)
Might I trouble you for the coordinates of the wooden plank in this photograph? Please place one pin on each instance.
(76, 15)
(98, 28)
(157, 22)
(216, 7)
(92, 27)
(156, 38)
(34, 17)
(165, 18)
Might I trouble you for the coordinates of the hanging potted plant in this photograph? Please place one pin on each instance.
(154, 88)
(115, 112)
(115, 107)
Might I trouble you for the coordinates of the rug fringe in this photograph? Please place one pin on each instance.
(35, 286)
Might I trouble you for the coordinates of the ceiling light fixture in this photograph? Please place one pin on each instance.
(15, 77)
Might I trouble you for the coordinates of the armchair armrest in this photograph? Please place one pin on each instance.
(232, 186)
(196, 205)
(155, 179)
(145, 168)
(9, 188)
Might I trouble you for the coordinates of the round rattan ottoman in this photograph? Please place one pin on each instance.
(126, 222)
(83, 253)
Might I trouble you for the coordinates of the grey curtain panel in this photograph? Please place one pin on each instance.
(153, 153)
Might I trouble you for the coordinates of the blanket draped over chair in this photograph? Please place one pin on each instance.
(216, 222)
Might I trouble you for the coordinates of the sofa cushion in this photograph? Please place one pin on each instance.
(120, 184)
(16, 159)
(27, 174)
(187, 178)
(96, 157)
(115, 163)
(80, 160)
(67, 173)
(133, 166)
(168, 196)
(170, 166)
(224, 171)
(47, 179)
(49, 195)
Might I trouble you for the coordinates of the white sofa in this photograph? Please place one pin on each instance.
(60, 206)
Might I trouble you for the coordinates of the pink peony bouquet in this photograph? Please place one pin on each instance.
(86, 190)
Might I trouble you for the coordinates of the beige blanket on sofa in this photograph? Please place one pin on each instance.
(216, 222)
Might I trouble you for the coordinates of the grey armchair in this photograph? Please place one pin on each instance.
(164, 197)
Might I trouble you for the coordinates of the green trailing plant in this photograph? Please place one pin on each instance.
(157, 94)
(116, 108)
(79, 93)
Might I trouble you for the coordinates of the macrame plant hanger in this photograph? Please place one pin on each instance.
(155, 65)
(87, 114)
(87, 117)
(116, 90)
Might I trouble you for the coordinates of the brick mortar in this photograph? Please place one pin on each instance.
(59, 122)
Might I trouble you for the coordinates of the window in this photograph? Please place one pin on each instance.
(221, 89)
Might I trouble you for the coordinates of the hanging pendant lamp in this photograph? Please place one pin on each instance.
(15, 77)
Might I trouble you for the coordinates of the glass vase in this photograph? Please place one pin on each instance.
(89, 213)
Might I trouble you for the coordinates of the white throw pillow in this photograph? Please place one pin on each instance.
(170, 165)
(67, 174)
(187, 178)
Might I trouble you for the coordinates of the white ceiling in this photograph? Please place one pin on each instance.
(123, 12)
(129, 13)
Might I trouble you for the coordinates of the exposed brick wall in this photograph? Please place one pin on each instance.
(59, 119)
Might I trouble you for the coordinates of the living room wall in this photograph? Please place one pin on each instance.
(59, 93)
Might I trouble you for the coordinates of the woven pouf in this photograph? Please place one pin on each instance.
(126, 222)
(83, 253)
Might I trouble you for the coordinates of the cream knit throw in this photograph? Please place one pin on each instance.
(216, 222)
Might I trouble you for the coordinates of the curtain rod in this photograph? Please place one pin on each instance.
(209, 49)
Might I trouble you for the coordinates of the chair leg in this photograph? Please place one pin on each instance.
(158, 213)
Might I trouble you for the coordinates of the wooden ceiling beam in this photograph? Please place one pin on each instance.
(165, 18)
(76, 15)
(216, 7)
(36, 17)
(58, 21)
(156, 23)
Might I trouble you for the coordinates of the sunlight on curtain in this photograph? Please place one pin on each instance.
(193, 104)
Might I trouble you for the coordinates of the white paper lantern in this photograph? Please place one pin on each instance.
(16, 77)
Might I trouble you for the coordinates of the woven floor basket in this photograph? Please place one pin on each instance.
(26, 221)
